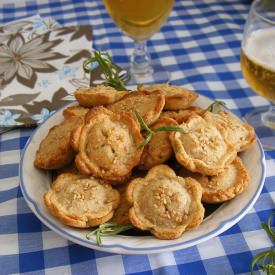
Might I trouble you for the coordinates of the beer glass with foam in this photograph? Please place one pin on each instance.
(258, 66)
(140, 19)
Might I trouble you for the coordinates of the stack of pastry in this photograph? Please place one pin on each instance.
(105, 175)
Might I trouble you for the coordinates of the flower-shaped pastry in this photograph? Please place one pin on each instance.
(201, 146)
(107, 144)
(240, 134)
(81, 201)
(164, 203)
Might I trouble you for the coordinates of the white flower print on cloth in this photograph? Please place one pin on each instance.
(67, 72)
(44, 114)
(8, 118)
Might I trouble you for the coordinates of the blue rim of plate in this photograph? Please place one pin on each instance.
(90, 243)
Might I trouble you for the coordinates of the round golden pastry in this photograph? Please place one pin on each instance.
(240, 134)
(201, 147)
(149, 106)
(181, 115)
(159, 149)
(224, 186)
(81, 201)
(98, 95)
(107, 144)
(75, 111)
(55, 150)
(164, 203)
(175, 97)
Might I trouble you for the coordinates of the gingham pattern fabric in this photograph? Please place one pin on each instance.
(200, 45)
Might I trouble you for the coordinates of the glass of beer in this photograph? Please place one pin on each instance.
(140, 19)
(258, 66)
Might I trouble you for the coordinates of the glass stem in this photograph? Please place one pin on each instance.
(141, 60)
(268, 117)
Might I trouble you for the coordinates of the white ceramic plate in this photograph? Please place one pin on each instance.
(35, 182)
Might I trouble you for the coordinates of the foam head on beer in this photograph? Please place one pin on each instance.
(258, 62)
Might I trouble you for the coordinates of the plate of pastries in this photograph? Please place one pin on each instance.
(154, 169)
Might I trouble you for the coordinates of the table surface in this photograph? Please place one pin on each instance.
(200, 46)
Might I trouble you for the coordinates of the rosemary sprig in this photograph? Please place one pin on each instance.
(214, 105)
(109, 68)
(269, 267)
(142, 123)
(268, 229)
(107, 229)
(151, 133)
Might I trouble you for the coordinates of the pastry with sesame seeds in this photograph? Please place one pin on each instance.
(165, 204)
(81, 201)
(107, 145)
(201, 146)
(224, 186)
(240, 134)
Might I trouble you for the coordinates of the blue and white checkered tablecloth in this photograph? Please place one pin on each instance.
(200, 45)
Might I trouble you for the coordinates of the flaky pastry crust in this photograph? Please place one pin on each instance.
(224, 186)
(201, 147)
(175, 97)
(148, 105)
(81, 201)
(55, 150)
(165, 204)
(182, 115)
(240, 134)
(107, 144)
(159, 149)
(99, 95)
(75, 111)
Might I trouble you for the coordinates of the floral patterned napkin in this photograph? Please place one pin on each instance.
(40, 68)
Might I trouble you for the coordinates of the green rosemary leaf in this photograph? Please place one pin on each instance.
(116, 230)
(88, 236)
(86, 63)
(110, 70)
(107, 224)
(215, 104)
(98, 238)
(143, 125)
(108, 229)
(268, 229)
(256, 259)
(146, 141)
(269, 254)
(170, 128)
